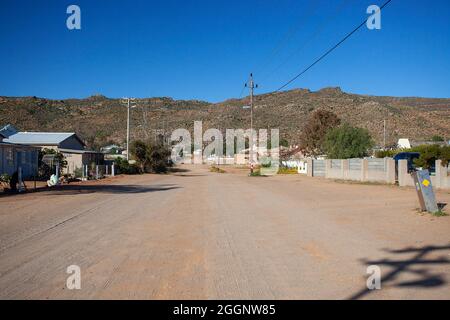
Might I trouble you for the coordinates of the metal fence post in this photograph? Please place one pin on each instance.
(19, 175)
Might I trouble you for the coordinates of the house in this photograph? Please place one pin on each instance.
(407, 144)
(44, 140)
(68, 143)
(111, 149)
(404, 143)
(15, 156)
(113, 152)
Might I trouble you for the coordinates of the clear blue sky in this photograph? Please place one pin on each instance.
(196, 49)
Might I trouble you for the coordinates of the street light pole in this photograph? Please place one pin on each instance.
(128, 101)
(128, 129)
(251, 85)
(251, 118)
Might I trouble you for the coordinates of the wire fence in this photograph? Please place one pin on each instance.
(98, 171)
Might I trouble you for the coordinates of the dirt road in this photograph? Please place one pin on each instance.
(196, 234)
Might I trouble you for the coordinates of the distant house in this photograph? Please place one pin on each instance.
(404, 143)
(68, 143)
(15, 156)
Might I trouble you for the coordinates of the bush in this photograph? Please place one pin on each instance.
(346, 142)
(216, 169)
(5, 179)
(124, 167)
(386, 153)
(437, 138)
(78, 172)
(430, 153)
(286, 170)
(151, 157)
(44, 170)
(256, 173)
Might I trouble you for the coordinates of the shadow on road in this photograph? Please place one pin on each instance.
(177, 170)
(417, 264)
(111, 189)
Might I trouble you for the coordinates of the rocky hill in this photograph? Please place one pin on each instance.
(100, 120)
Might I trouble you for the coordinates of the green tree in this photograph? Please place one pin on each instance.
(44, 170)
(151, 157)
(139, 151)
(284, 143)
(315, 130)
(158, 158)
(430, 153)
(346, 142)
(437, 138)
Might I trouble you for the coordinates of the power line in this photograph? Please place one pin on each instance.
(285, 38)
(311, 10)
(328, 52)
(318, 31)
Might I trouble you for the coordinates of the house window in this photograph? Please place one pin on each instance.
(10, 156)
(24, 157)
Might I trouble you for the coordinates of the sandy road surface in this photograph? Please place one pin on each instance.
(197, 234)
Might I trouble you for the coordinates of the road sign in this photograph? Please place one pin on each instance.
(425, 191)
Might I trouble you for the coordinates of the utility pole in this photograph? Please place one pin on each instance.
(251, 85)
(384, 134)
(128, 101)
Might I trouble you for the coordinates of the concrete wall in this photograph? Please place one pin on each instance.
(78, 160)
(440, 180)
(372, 170)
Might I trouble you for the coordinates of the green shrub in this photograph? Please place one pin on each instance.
(386, 153)
(216, 169)
(346, 142)
(151, 157)
(285, 170)
(124, 167)
(437, 138)
(5, 179)
(256, 173)
(44, 170)
(430, 153)
(78, 172)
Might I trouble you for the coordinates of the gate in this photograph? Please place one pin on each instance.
(318, 168)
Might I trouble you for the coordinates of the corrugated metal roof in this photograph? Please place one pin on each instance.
(77, 151)
(39, 138)
(8, 130)
(3, 143)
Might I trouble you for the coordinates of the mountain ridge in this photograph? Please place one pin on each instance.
(99, 119)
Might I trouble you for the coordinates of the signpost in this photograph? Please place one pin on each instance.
(425, 191)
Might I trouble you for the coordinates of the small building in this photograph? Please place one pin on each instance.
(76, 159)
(15, 156)
(404, 143)
(68, 143)
(45, 140)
